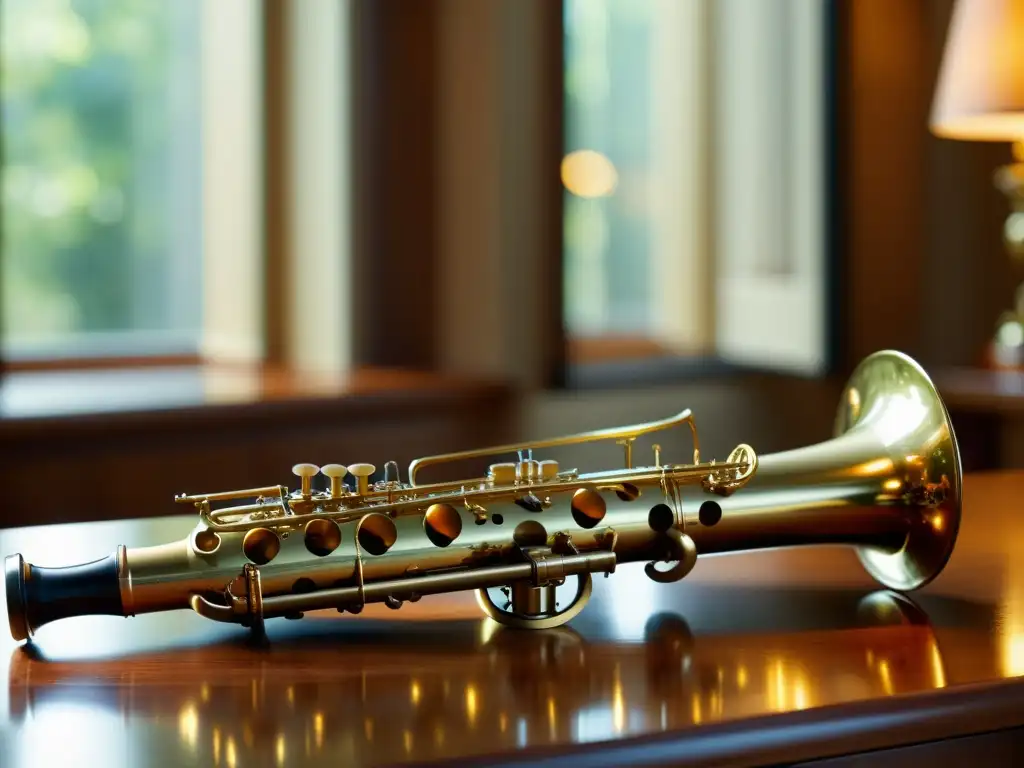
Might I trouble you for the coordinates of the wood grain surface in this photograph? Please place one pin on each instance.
(778, 655)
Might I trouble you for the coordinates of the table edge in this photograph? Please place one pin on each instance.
(811, 734)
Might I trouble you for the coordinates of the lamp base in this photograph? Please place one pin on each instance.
(1006, 350)
(1010, 181)
(1007, 347)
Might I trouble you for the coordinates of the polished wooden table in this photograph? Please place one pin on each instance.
(763, 657)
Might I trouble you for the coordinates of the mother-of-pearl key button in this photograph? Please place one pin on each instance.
(504, 473)
(362, 472)
(306, 472)
(337, 473)
(549, 469)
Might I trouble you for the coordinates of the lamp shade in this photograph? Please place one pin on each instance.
(980, 91)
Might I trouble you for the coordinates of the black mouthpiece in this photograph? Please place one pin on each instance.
(37, 596)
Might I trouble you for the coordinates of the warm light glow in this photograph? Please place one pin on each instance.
(980, 91)
(439, 736)
(618, 707)
(741, 677)
(279, 749)
(414, 692)
(204, 692)
(1011, 634)
(788, 686)
(853, 396)
(407, 741)
(216, 746)
(777, 701)
(696, 709)
(938, 522)
(938, 673)
(471, 703)
(874, 467)
(291, 695)
(551, 716)
(892, 485)
(800, 696)
(715, 704)
(503, 722)
(230, 753)
(885, 675)
(983, 128)
(586, 173)
(318, 729)
(1013, 663)
(488, 627)
(188, 724)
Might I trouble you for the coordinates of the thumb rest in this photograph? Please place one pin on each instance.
(888, 484)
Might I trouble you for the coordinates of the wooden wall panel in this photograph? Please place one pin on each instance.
(395, 216)
(133, 464)
(885, 105)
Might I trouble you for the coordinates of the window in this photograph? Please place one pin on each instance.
(102, 177)
(632, 86)
(175, 181)
(695, 180)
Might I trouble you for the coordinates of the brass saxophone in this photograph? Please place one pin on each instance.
(528, 535)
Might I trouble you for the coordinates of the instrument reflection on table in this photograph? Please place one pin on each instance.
(528, 536)
(489, 688)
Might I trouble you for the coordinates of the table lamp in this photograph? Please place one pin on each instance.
(980, 97)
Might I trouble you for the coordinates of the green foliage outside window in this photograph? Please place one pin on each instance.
(101, 167)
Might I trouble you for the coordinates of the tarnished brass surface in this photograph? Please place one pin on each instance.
(888, 484)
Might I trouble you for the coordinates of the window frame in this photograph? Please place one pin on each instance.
(607, 374)
(398, 73)
(222, 130)
(256, 157)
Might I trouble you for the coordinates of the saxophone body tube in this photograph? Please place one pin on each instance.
(888, 484)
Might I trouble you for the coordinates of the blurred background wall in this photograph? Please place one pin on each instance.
(239, 235)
